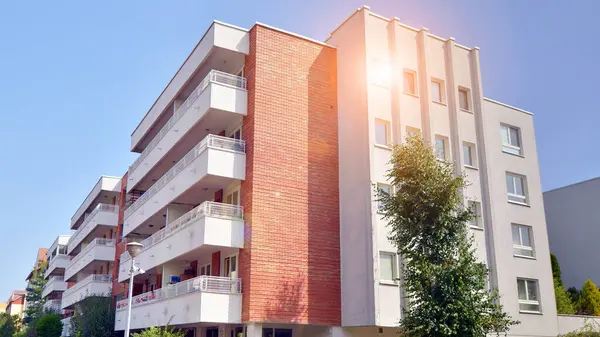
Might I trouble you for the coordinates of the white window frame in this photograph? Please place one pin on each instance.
(524, 198)
(276, 328)
(237, 265)
(390, 190)
(476, 223)
(446, 147)
(528, 301)
(415, 82)
(388, 132)
(395, 268)
(520, 245)
(206, 267)
(472, 155)
(231, 194)
(468, 94)
(508, 147)
(442, 91)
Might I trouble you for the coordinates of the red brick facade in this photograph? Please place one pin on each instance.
(290, 266)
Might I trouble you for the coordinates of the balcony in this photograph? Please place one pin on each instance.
(201, 299)
(213, 223)
(66, 323)
(57, 265)
(103, 216)
(52, 305)
(216, 102)
(210, 165)
(55, 283)
(99, 250)
(95, 284)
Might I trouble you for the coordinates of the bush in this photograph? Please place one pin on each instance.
(7, 325)
(563, 301)
(160, 332)
(49, 326)
(589, 304)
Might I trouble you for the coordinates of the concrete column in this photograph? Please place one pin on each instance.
(253, 330)
(397, 80)
(453, 108)
(424, 84)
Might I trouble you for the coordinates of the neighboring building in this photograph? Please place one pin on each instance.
(573, 219)
(58, 260)
(2, 307)
(256, 169)
(16, 303)
(91, 248)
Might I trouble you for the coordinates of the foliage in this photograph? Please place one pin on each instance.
(556, 273)
(574, 294)
(94, 316)
(7, 325)
(160, 332)
(590, 329)
(589, 303)
(35, 302)
(564, 305)
(49, 325)
(444, 282)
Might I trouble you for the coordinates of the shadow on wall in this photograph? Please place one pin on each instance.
(286, 306)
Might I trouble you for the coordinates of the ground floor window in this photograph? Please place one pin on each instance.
(271, 332)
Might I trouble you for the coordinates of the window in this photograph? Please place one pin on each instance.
(230, 266)
(511, 139)
(410, 82)
(463, 99)
(270, 332)
(233, 198)
(515, 185)
(440, 147)
(382, 132)
(528, 295)
(476, 209)
(437, 94)
(205, 270)
(522, 240)
(383, 189)
(469, 154)
(387, 266)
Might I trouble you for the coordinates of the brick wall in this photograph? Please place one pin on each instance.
(290, 264)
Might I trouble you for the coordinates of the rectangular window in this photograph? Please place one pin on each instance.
(476, 209)
(387, 266)
(440, 147)
(383, 189)
(410, 82)
(437, 93)
(469, 154)
(528, 295)
(382, 132)
(463, 99)
(522, 240)
(270, 332)
(511, 139)
(515, 186)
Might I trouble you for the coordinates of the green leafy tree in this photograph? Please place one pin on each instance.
(574, 294)
(445, 284)
(7, 325)
(49, 326)
(556, 273)
(94, 316)
(564, 305)
(160, 332)
(589, 303)
(35, 301)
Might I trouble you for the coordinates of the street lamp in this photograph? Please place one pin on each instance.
(134, 249)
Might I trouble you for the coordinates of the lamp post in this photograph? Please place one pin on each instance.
(134, 249)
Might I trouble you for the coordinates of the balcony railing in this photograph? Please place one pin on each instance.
(94, 243)
(98, 208)
(98, 278)
(52, 304)
(207, 208)
(54, 261)
(210, 141)
(214, 76)
(55, 278)
(210, 284)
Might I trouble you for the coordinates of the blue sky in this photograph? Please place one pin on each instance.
(77, 76)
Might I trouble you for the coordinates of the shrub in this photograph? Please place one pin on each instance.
(160, 332)
(589, 304)
(563, 301)
(49, 326)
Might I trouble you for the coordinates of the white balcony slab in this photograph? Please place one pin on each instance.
(214, 162)
(93, 285)
(104, 215)
(201, 299)
(211, 223)
(51, 305)
(99, 250)
(106, 186)
(57, 265)
(55, 283)
(216, 102)
(221, 42)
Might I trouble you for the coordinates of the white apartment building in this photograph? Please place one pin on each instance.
(394, 80)
(58, 260)
(91, 247)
